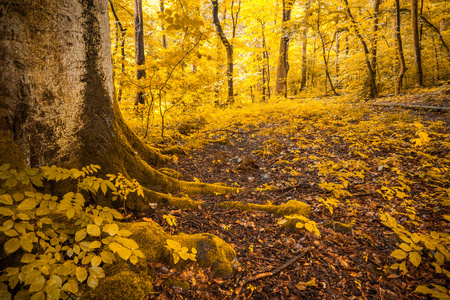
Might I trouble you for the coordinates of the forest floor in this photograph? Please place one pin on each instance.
(352, 163)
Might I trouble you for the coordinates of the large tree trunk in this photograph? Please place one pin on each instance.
(57, 94)
(283, 64)
(416, 44)
(139, 46)
(228, 47)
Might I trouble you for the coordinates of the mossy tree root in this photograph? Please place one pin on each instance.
(132, 158)
(289, 208)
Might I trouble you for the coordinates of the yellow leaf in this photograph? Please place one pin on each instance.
(95, 245)
(93, 230)
(107, 257)
(38, 284)
(81, 274)
(415, 258)
(98, 221)
(96, 261)
(133, 259)
(124, 233)
(11, 245)
(174, 245)
(124, 253)
(80, 235)
(130, 244)
(309, 227)
(28, 258)
(405, 247)
(399, 254)
(27, 204)
(111, 229)
(423, 290)
(92, 281)
(97, 272)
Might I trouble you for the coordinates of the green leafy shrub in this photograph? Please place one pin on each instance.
(61, 243)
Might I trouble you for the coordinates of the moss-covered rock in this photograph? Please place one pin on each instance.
(338, 226)
(124, 285)
(289, 208)
(212, 252)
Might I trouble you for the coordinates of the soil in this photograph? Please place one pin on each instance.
(341, 264)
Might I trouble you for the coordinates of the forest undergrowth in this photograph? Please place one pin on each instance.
(377, 181)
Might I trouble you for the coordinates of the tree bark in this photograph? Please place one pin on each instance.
(401, 58)
(283, 62)
(376, 8)
(304, 52)
(265, 65)
(57, 95)
(123, 32)
(304, 46)
(228, 47)
(139, 46)
(416, 44)
(163, 38)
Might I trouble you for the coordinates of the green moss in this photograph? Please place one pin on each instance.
(10, 152)
(174, 282)
(224, 141)
(150, 237)
(180, 150)
(293, 207)
(171, 172)
(212, 252)
(124, 285)
(338, 226)
(289, 208)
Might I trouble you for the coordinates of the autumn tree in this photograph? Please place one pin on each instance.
(416, 43)
(283, 62)
(58, 101)
(228, 46)
(370, 67)
(401, 57)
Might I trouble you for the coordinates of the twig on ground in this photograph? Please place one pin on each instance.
(271, 273)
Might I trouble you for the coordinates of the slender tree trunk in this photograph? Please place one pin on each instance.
(228, 48)
(283, 61)
(401, 58)
(139, 46)
(304, 52)
(325, 61)
(163, 38)
(416, 44)
(372, 75)
(376, 8)
(123, 32)
(266, 67)
(336, 49)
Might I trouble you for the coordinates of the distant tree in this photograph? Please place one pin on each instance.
(283, 62)
(401, 57)
(416, 43)
(139, 46)
(228, 47)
